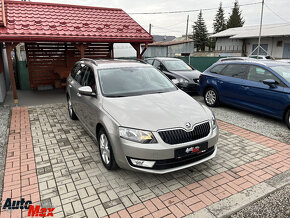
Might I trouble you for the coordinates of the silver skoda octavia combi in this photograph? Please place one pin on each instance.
(140, 119)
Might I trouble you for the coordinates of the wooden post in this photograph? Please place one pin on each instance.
(9, 49)
(111, 46)
(81, 47)
(136, 46)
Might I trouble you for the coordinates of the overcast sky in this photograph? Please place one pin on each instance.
(175, 24)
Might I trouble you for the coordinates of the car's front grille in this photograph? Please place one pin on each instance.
(177, 136)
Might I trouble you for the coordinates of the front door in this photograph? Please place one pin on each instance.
(286, 50)
(261, 97)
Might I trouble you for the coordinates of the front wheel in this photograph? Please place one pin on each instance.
(211, 97)
(71, 112)
(287, 118)
(106, 151)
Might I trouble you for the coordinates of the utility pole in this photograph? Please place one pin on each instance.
(261, 21)
(150, 28)
(186, 33)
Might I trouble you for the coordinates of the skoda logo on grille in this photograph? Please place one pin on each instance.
(188, 125)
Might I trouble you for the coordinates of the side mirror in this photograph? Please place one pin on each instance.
(270, 82)
(175, 81)
(86, 90)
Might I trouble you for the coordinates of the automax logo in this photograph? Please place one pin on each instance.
(32, 210)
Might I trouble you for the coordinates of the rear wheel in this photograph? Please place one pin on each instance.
(71, 112)
(211, 97)
(287, 118)
(106, 151)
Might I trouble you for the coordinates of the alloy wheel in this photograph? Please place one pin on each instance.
(104, 148)
(210, 97)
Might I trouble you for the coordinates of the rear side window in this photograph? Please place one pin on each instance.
(157, 64)
(80, 74)
(218, 68)
(236, 70)
(74, 71)
(150, 61)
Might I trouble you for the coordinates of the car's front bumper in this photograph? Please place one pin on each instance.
(162, 153)
(189, 87)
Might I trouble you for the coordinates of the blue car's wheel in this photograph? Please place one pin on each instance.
(211, 97)
(287, 118)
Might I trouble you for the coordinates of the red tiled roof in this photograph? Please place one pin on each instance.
(35, 21)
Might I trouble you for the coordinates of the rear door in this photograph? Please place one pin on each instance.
(261, 97)
(230, 83)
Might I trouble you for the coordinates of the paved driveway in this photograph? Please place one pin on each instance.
(65, 172)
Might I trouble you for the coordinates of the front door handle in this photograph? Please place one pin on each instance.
(221, 82)
(79, 95)
(69, 85)
(245, 87)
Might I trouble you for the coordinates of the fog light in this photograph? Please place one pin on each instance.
(142, 163)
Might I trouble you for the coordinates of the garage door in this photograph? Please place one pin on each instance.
(286, 50)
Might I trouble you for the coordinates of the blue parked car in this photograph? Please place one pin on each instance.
(258, 86)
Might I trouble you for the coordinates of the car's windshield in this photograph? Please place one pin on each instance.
(122, 82)
(176, 65)
(283, 70)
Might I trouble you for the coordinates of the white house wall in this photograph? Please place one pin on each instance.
(228, 45)
(273, 50)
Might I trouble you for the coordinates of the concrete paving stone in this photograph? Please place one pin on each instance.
(126, 201)
(115, 208)
(100, 210)
(91, 213)
(78, 215)
(77, 205)
(68, 209)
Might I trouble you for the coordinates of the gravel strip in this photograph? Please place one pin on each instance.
(4, 125)
(277, 204)
(267, 126)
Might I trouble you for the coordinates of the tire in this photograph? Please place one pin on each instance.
(106, 151)
(211, 97)
(287, 118)
(71, 112)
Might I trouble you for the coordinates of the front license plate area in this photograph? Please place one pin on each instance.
(191, 150)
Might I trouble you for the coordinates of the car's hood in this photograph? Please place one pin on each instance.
(188, 74)
(156, 111)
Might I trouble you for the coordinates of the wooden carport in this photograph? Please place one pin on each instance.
(57, 35)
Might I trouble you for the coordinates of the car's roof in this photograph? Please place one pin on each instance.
(165, 58)
(267, 63)
(114, 63)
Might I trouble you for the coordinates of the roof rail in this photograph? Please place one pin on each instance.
(142, 61)
(89, 60)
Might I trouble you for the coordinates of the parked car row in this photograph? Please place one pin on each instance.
(143, 120)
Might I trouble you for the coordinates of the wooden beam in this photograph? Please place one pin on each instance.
(9, 49)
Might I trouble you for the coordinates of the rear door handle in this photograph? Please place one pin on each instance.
(69, 85)
(245, 87)
(79, 95)
(221, 82)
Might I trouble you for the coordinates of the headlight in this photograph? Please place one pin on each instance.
(213, 121)
(181, 80)
(137, 135)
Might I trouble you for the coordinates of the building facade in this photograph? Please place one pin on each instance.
(242, 41)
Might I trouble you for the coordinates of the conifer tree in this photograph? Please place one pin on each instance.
(235, 19)
(200, 33)
(219, 23)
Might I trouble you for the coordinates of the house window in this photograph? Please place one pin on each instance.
(221, 48)
(279, 43)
